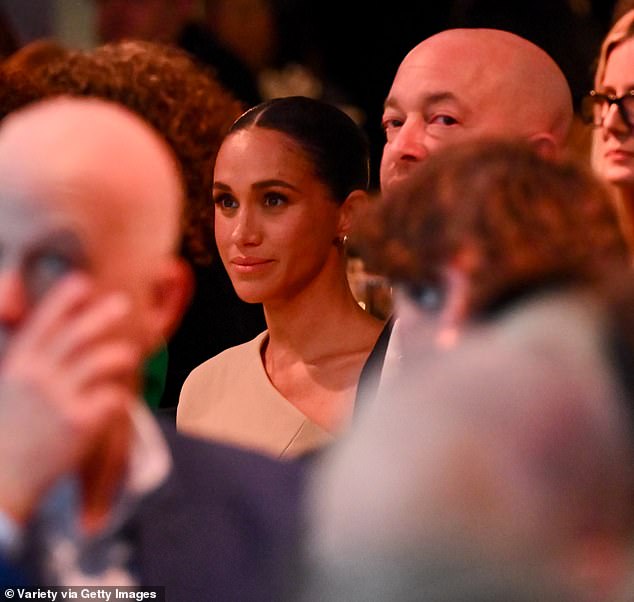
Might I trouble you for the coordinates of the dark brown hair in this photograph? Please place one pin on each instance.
(179, 97)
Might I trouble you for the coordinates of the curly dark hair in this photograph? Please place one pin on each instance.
(178, 96)
(511, 215)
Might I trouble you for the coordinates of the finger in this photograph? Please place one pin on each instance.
(101, 405)
(66, 298)
(92, 324)
(115, 362)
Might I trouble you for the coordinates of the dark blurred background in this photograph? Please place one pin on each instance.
(346, 51)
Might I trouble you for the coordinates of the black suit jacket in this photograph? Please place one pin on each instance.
(224, 526)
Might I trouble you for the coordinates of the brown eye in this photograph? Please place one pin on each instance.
(274, 199)
(225, 201)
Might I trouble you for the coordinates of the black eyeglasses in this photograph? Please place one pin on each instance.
(595, 106)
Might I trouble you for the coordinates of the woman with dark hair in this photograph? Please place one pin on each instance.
(287, 180)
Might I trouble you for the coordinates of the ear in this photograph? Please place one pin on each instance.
(545, 145)
(356, 202)
(169, 295)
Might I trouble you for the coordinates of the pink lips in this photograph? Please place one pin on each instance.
(619, 155)
(250, 265)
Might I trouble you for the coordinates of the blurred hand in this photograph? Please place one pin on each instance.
(65, 375)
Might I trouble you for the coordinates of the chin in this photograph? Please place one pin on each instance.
(249, 294)
(620, 176)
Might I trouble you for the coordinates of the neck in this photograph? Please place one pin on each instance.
(627, 194)
(321, 307)
(625, 208)
(102, 472)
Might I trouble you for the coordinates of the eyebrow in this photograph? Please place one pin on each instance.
(261, 184)
(426, 99)
(63, 235)
(67, 240)
(612, 89)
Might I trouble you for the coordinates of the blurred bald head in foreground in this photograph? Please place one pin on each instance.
(462, 84)
(94, 172)
(89, 190)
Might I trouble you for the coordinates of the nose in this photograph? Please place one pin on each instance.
(613, 122)
(246, 231)
(14, 299)
(409, 144)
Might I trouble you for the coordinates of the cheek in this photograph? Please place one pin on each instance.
(309, 234)
(222, 230)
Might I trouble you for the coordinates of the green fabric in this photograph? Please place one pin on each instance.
(154, 375)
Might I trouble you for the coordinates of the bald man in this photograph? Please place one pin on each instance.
(455, 86)
(462, 84)
(93, 491)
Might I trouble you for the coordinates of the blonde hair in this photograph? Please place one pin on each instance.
(622, 30)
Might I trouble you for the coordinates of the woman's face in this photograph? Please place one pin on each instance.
(618, 138)
(275, 221)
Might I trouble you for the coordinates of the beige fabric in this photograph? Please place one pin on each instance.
(230, 398)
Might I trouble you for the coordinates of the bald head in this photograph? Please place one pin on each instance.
(87, 185)
(466, 83)
(95, 156)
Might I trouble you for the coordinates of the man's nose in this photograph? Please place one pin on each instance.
(410, 141)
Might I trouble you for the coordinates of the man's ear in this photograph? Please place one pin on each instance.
(169, 295)
(545, 145)
(349, 212)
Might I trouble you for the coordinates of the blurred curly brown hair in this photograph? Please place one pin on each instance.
(168, 88)
(519, 217)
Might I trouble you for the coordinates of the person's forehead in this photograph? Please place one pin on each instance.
(618, 68)
(29, 224)
(271, 151)
(99, 166)
(448, 70)
(39, 202)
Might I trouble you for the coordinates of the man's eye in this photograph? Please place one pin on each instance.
(54, 265)
(444, 120)
(391, 124)
(225, 201)
(44, 270)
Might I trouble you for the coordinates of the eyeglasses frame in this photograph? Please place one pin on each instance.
(611, 99)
